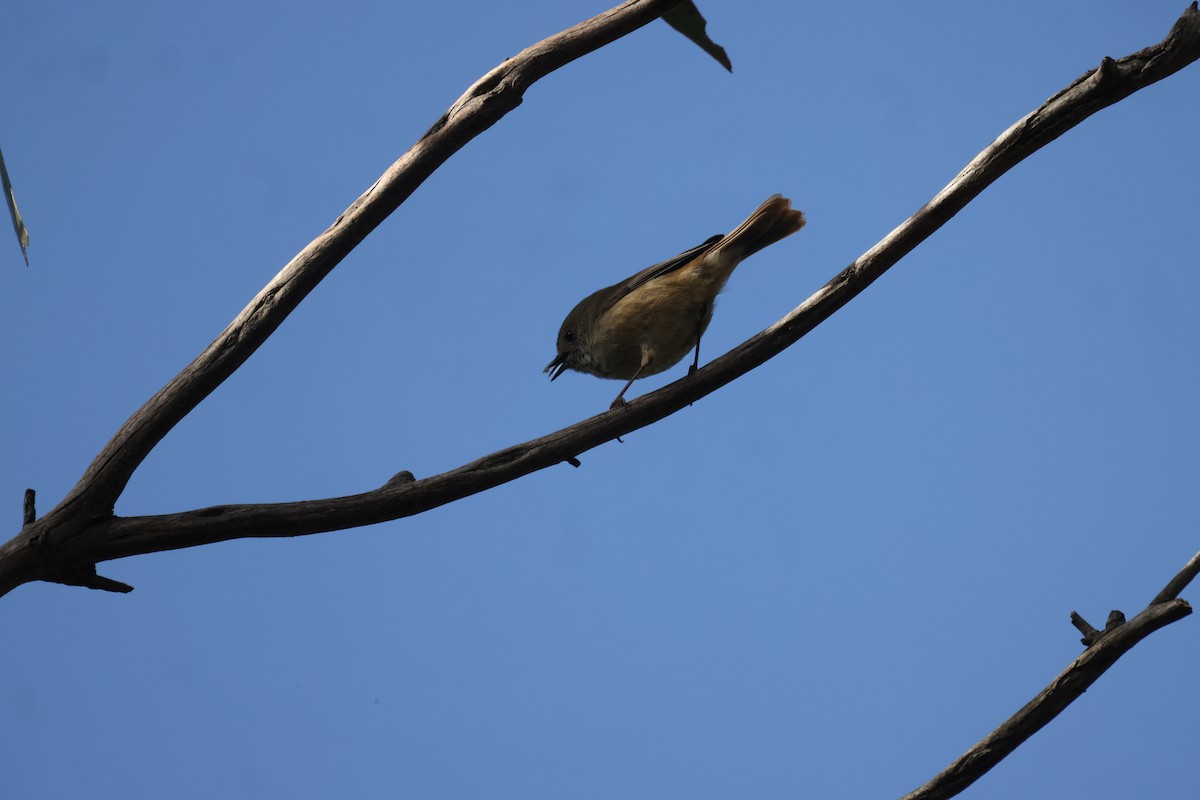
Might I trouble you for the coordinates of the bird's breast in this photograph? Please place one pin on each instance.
(661, 319)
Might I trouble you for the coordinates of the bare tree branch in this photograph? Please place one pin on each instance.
(81, 531)
(484, 104)
(1179, 582)
(1102, 653)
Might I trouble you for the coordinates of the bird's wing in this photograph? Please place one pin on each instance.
(658, 270)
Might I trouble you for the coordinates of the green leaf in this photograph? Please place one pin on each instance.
(686, 19)
(18, 223)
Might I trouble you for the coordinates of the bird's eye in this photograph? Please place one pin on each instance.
(569, 336)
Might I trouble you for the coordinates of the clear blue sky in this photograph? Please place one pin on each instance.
(825, 580)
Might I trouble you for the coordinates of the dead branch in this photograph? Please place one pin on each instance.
(66, 543)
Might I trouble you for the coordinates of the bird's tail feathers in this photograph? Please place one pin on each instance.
(775, 219)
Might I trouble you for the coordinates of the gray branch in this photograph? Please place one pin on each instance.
(65, 544)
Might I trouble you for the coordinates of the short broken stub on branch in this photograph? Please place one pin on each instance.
(1090, 634)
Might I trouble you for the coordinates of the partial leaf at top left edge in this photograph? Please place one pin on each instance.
(18, 223)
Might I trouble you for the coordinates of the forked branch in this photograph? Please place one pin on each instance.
(50, 548)
(66, 544)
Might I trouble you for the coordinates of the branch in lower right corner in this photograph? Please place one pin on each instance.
(1104, 649)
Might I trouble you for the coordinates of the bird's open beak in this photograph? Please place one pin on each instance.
(558, 366)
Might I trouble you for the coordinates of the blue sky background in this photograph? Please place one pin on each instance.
(828, 579)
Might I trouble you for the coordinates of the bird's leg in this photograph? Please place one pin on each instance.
(699, 332)
(647, 357)
(619, 402)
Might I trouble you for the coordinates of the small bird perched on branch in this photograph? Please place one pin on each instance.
(647, 323)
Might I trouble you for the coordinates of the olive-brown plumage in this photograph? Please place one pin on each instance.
(647, 323)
